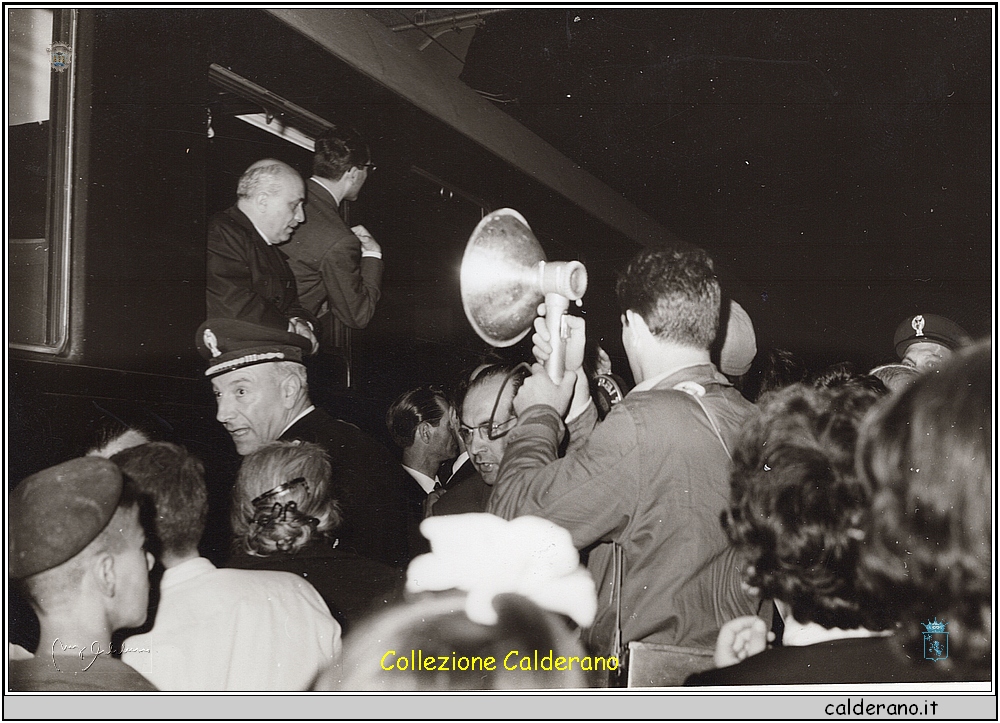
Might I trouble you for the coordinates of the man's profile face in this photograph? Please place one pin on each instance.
(283, 210)
(132, 566)
(486, 454)
(250, 406)
(444, 440)
(924, 355)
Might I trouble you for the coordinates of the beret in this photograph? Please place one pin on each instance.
(740, 345)
(230, 344)
(56, 513)
(929, 327)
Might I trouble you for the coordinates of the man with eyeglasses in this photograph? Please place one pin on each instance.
(487, 416)
(641, 491)
(338, 269)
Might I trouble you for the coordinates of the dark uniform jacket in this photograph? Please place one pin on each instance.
(247, 278)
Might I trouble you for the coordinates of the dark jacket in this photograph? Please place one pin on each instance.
(370, 485)
(247, 278)
(352, 586)
(848, 660)
(653, 477)
(325, 257)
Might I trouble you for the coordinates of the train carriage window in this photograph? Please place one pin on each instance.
(39, 129)
(244, 119)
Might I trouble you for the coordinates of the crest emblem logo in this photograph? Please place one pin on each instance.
(918, 324)
(935, 640)
(211, 342)
(60, 55)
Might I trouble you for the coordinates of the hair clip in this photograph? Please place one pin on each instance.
(280, 489)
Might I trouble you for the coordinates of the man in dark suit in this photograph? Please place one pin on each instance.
(248, 277)
(422, 423)
(338, 269)
(262, 393)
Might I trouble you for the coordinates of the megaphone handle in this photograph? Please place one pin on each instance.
(556, 306)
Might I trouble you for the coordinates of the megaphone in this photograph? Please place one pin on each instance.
(505, 276)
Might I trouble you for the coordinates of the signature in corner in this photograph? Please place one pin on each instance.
(93, 650)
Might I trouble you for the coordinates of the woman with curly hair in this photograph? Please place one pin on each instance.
(929, 553)
(798, 512)
(283, 518)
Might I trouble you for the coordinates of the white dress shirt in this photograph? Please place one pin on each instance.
(224, 629)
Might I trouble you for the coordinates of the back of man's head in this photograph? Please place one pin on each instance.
(338, 150)
(423, 404)
(264, 176)
(675, 292)
(175, 482)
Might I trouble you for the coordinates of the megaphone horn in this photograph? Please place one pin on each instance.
(505, 276)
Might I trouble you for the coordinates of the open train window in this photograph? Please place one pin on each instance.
(41, 75)
(239, 115)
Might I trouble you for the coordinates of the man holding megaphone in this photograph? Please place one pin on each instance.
(652, 478)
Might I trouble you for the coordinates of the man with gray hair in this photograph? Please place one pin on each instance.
(248, 277)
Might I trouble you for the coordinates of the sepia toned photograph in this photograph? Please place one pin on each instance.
(514, 362)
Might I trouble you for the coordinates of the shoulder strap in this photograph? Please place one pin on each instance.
(696, 392)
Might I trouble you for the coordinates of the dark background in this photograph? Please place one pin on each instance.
(837, 163)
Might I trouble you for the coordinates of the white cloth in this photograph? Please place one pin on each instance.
(426, 483)
(223, 629)
(298, 416)
(457, 464)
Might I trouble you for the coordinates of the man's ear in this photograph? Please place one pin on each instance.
(636, 323)
(424, 432)
(103, 570)
(260, 201)
(290, 387)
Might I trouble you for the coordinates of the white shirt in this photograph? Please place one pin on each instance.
(298, 416)
(457, 464)
(426, 483)
(224, 629)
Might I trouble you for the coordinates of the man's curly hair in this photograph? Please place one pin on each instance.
(797, 508)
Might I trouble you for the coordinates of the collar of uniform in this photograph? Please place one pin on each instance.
(245, 220)
(185, 571)
(426, 483)
(710, 373)
(298, 416)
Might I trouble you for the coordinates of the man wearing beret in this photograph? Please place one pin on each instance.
(262, 393)
(925, 341)
(76, 546)
(248, 276)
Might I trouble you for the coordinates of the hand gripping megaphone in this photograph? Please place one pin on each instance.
(505, 276)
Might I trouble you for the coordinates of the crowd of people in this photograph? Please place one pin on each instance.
(730, 519)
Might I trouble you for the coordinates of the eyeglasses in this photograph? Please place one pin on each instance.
(369, 167)
(491, 429)
(486, 430)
